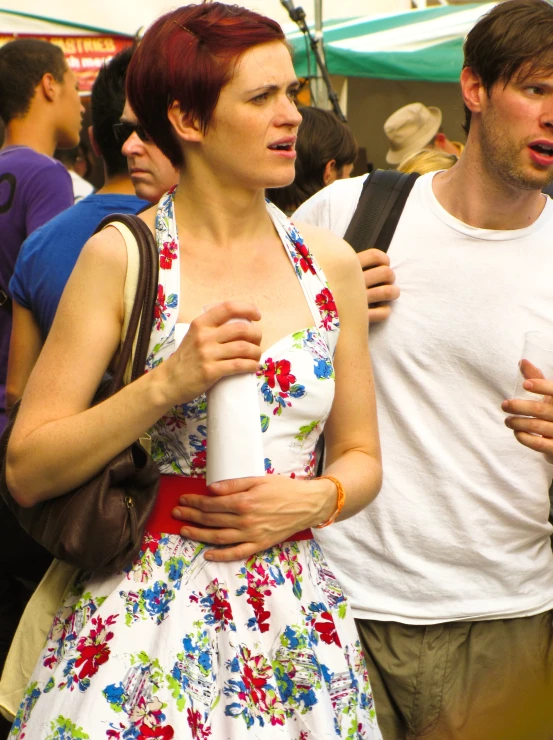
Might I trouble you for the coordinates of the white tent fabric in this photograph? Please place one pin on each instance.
(414, 45)
(15, 23)
(128, 16)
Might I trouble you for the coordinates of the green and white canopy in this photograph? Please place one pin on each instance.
(414, 45)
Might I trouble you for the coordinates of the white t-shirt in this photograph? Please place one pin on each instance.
(81, 187)
(460, 528)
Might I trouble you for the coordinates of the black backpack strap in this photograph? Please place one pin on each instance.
(373, 224)
(380, 205)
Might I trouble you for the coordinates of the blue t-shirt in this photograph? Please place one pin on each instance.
(33, 189)
(48, 256)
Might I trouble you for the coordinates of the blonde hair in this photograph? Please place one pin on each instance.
(427, 160)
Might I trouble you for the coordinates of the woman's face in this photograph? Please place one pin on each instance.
(251, 138)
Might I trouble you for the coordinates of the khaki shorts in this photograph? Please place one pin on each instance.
(489, 680)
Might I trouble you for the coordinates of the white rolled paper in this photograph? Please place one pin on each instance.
(234, 436)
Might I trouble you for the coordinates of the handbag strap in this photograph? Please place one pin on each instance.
(139, 326)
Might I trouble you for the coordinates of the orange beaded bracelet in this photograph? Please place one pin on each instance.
(339, 503)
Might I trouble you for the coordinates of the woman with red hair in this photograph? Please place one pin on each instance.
(229, 624)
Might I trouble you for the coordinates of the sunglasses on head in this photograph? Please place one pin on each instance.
(124, 129)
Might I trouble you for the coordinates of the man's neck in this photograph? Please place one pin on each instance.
(119, 184)
(29, 132)
(477, 197)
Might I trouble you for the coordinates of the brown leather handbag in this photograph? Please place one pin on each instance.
(99, 525)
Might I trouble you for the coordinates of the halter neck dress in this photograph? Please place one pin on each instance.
(178, 647)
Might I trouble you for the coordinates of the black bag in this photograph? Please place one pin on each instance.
(99, 525)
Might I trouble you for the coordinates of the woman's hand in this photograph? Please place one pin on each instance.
(532, 421)
(254, 513)
(213, 349)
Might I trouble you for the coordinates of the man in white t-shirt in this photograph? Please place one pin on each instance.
(450, 570)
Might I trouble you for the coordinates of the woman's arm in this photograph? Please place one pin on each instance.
(25, 346)
(351, 432)
(251, 514)
(58, 441)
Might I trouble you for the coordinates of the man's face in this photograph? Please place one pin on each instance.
(152, 174)
(516, 130)
(70, 111)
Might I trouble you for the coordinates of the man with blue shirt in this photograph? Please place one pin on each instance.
(48, 256)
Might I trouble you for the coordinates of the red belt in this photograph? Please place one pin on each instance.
(171, 488)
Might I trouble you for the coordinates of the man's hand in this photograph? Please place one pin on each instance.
(533, 429)
(379, 282)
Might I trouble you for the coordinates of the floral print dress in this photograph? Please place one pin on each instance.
(178, 647)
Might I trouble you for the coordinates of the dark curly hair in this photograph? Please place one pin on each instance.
(321, 138)
(23, 63)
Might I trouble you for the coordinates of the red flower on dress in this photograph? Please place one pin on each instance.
(327, 630)
(160, 306)
(155, 733)
(199, 730)
(306, 260)
(167, 255)
(93, 648)
(279, 372)
(115, 734)
(327, 307)
(256, 599)
(199, 461)
(220, 606)
(151, 544)
(175, 419)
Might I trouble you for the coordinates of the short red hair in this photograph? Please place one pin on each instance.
(187, 56)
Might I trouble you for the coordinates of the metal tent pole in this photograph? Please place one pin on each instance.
(298, 16)
(319, 85)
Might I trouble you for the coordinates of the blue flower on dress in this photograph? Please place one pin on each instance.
(291, 637)
(233, 665)
(189, 645)
(157, 600)
(115, 694)
(323, 369)
(204, 659)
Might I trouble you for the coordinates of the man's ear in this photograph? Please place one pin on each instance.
(93, 144)
(329, 172)
(48, 85)
(440, 140)
(472, 90)
(186, 128)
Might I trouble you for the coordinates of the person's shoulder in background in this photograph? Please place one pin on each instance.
(332, 207)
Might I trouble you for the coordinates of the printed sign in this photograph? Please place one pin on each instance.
(85, 54)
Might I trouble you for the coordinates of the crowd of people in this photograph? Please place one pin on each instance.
(398, 585)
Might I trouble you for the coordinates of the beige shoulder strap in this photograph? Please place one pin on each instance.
(131, 281)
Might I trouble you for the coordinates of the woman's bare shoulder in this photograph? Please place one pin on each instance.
(107, 248)
(336, 257)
